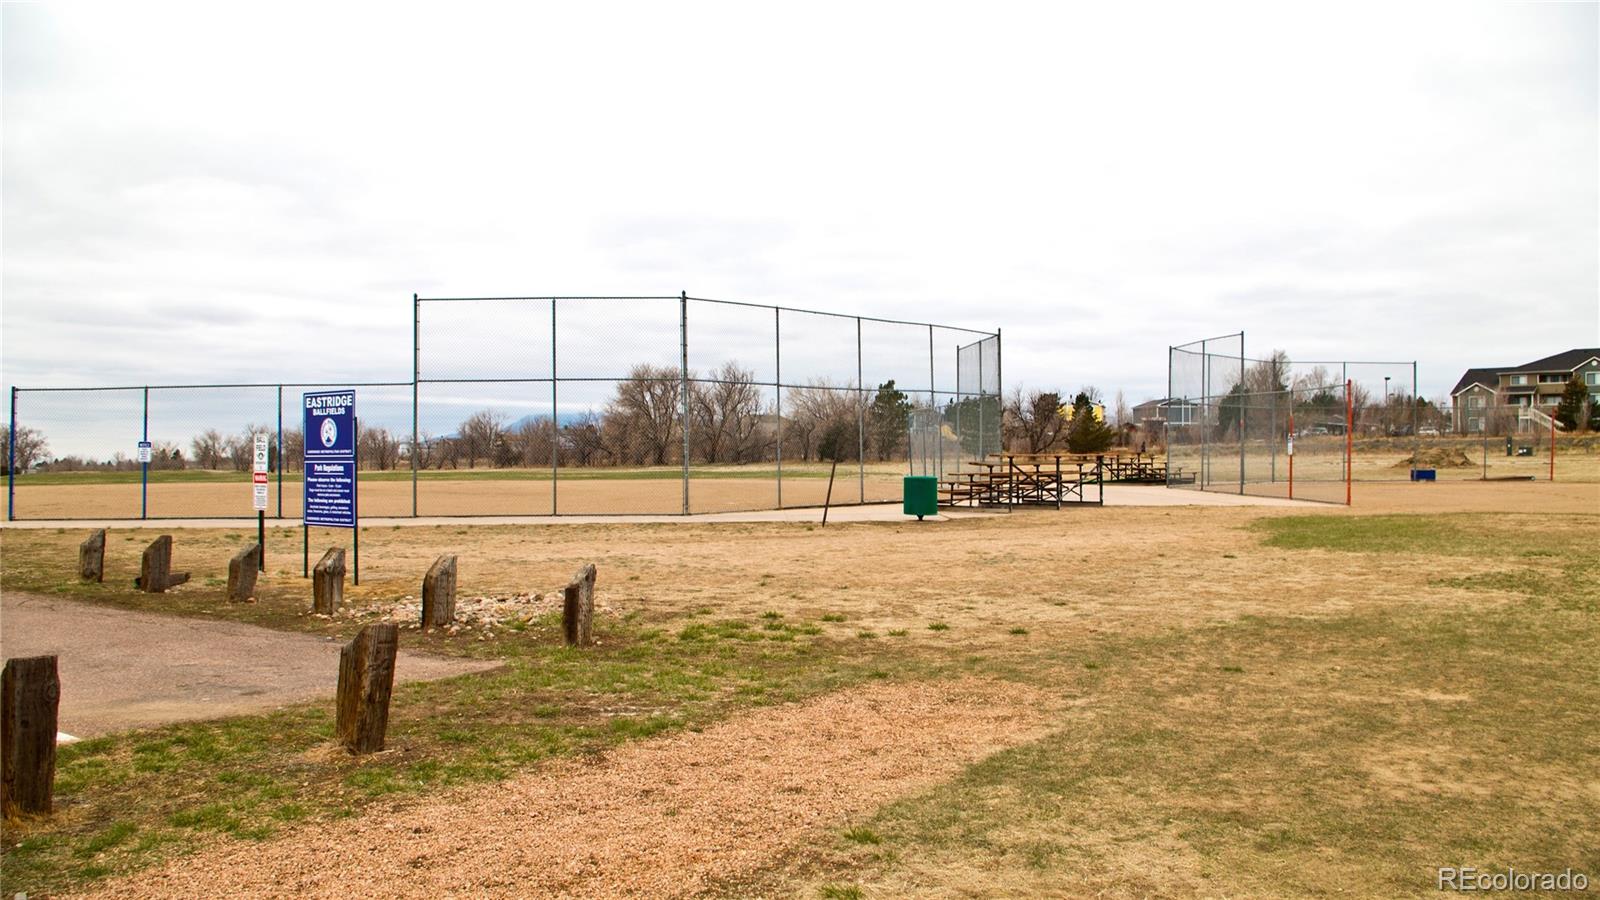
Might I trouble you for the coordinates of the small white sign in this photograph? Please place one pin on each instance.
(1291, 445)
(259, 486)
(261, 453)
(144, 451)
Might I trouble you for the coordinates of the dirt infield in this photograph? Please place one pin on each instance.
(664, 818)
(1319, 476)
(466, 497)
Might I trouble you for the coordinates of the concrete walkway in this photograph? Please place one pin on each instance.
(1116, 495)
(121, 669)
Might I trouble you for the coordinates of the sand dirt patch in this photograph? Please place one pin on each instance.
(664, 817)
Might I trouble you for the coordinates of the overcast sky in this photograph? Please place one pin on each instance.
(226, 192)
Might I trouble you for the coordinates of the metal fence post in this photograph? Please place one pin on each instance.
(683, 387)
(1166, 421)
(777, 388)
(416, 367)
(980, 400)
(144, 469)
(861, 420)
(961, 447)
(933, 411)
(555, 414)
(1416, 435)
(1272, 428)
(1205, 416)
(999, 374)
(11, 461)
(1241, 413)
(280, 459)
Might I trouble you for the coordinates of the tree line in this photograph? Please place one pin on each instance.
(731, 420)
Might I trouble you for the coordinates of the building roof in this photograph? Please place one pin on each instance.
(1488, 378)
(1561, 362)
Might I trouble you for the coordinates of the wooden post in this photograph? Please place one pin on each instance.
(30, 694)
(327, 582)
(242, 571)
(366, 681)
(155, 568)
(92, 556)
(577, 608)
(439, 593)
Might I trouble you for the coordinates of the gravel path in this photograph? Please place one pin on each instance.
(124, 669)
(664, 817)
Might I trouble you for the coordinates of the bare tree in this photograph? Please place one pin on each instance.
(533, 442)
(240, 448)
(1033, 423)
(583, 440)
(31, 447)
(294, 449)
(808, 411)
(1270, 374)
(480, 435)
(208, 449)
(165, 455)
(641, 421)
(724, 413)
(379, 449)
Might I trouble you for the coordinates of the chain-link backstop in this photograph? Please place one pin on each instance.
(1227, 427)
(549, 406)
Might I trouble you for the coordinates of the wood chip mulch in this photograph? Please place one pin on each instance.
(668, 816)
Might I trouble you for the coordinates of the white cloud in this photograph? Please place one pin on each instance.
(189, 190)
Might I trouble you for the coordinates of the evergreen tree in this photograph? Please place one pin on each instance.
(1574, 403)
(888, 419)
(1086, 433)
(838, 442)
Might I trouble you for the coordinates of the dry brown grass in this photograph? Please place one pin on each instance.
(1225, 709)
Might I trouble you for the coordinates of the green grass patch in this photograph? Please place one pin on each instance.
(1376, 742)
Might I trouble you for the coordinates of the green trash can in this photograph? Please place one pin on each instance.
(921, 494)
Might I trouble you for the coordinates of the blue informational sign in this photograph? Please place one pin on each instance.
(330, 459)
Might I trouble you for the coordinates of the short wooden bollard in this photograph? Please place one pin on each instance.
(439, 593)
(366, 681)
(155, 568)
(242, 570)
(577, 608)
(30, 695)
(327, 582)
(92, 556)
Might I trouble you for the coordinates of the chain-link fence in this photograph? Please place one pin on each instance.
(549, 406)
(1520, 442)
(1220, 399)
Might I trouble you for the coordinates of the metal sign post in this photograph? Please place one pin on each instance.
(144, 475)
(258, 492)
(330, 468)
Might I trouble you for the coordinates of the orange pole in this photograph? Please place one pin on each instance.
(1552, 448)
(1349, 438)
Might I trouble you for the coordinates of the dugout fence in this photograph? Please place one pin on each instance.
(1227, 421)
